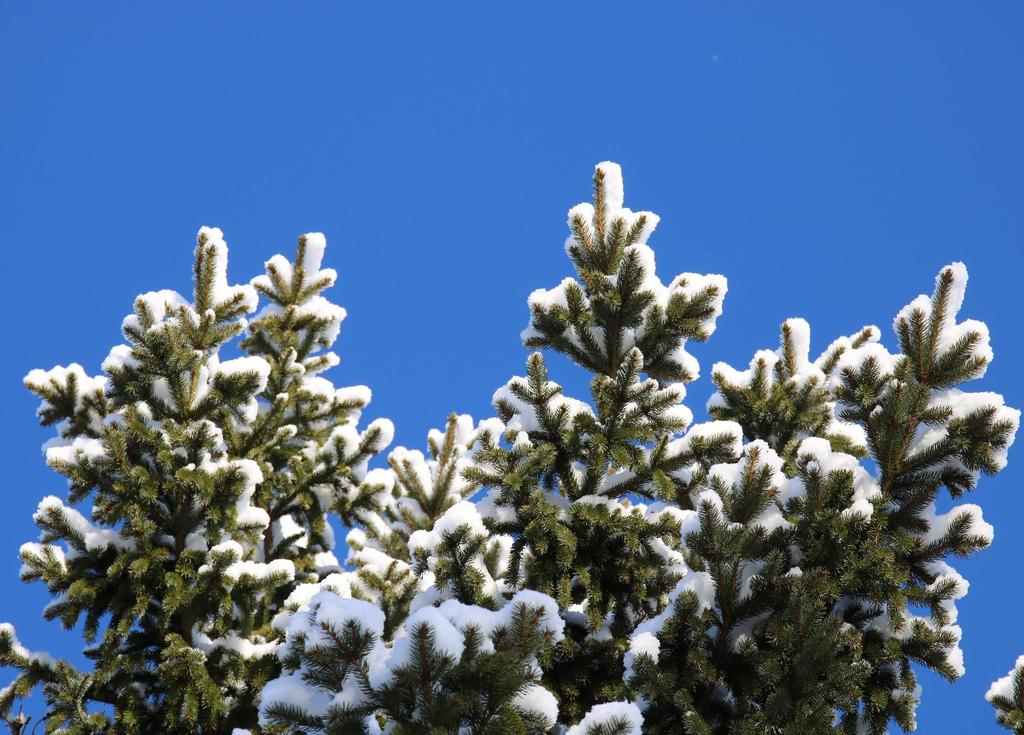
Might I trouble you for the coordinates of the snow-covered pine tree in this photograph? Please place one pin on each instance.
(820, 616)
(805, 575)
(567, 485)
(209, 481)
(780, 568)
(552, 515)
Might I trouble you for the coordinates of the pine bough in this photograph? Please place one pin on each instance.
(588, 566)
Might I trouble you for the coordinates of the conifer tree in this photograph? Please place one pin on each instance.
(209, 480)
(872, 551)
(780, 568)
(566, 488)
(598, 565)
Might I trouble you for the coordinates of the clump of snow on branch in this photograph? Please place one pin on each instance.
(447, 625)
(818, 455)
(538, 700)
(950, 332)
(85, 536)
(524, 414)
(213, 238)
(602, 718)
(314, 309)
(463, 517)
(1003, 693)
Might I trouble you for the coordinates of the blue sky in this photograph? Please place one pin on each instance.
(828, 158)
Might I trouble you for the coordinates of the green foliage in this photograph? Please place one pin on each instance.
(783, 402)
(208, 482)
(841, 636)
(587, 566)
(471, 683)
(782, 583)
(555, 490)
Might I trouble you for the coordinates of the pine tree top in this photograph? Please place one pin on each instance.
(589, 564)
(209, 481)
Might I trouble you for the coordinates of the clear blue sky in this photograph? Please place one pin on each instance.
(829, 160)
